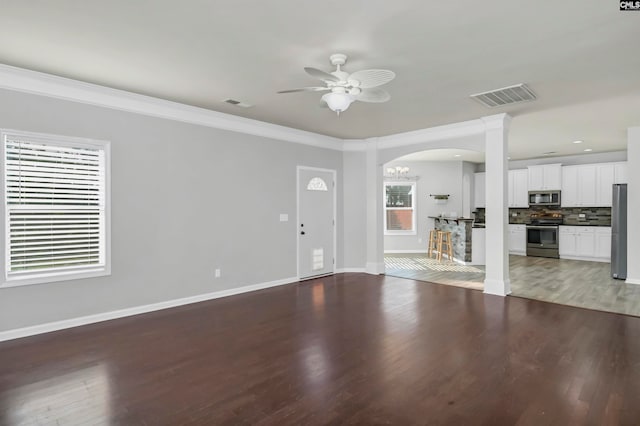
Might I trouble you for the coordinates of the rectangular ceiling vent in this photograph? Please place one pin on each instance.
(237, 103)
(505, 96)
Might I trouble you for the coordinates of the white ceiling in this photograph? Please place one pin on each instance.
(578, 56)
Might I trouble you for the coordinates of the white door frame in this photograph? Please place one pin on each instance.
(335, 220)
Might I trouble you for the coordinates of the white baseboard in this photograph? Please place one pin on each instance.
(497, 287)
(350, 270)
(404, 251)
(136, 310)
(632, 281)
(374, 268)
(587, 259)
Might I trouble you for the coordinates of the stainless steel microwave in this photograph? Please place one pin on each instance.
(544, 198)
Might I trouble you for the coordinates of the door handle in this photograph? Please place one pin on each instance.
(301, 232)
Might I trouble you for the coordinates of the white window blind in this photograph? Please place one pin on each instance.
(55, 201)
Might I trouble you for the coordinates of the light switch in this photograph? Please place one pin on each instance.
(284, 217)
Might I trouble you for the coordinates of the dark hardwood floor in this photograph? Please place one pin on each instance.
(346, 349)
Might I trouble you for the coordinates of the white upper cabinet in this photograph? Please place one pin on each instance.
(479, 190)
(518, 187)
(547, 177)
(620, 173)
(569, 195)
(536, 178)
(589, 185)
(605, 174)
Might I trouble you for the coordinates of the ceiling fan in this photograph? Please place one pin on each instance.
(344, 88)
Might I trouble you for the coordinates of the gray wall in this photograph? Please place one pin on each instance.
(186, 199)
(355, 209)
(437, 177)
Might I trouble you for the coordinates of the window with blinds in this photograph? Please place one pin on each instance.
(55, 198)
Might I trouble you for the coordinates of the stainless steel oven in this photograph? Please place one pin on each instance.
(542, 241)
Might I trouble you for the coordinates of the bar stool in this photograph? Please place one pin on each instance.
(444, 243)
(433, 243)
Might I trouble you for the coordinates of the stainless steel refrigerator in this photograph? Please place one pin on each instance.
(619, 232)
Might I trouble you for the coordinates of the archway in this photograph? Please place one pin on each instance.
(419, 187)
(488, 135)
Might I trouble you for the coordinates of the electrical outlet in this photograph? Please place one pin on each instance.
(217, 273)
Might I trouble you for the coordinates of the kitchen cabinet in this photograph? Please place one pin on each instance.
(547, 177)
(569, 194)
(518, 239)
(479, 194)
(567, 241)
(603, 243)
(620, 173)
(478, 246)
(518, 188)
(588, 185)
(605, 178)
(585, 243)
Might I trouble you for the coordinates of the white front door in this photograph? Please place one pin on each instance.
(316, 221)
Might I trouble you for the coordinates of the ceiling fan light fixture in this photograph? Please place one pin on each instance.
(338, 102)
(346, 88)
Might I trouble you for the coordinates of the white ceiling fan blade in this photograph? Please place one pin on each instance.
(305, 89)
(373, 95)
(321, 75)
(372, 78)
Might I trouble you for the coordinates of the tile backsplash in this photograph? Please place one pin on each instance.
(600, 216)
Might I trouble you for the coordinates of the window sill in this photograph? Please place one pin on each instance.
(55, 277)
(400, 233)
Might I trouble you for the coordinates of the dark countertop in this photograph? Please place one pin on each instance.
(571, 224)
(457, 219)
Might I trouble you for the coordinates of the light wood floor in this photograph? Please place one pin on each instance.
(567, 282)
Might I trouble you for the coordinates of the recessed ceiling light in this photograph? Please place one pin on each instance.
(548, 152)
(588, 150)
(457, 155)
(577, 141)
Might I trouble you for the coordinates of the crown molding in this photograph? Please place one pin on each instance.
(38, 83)
(497, 121)
(27, 81)
(354, 145)
(432, 134)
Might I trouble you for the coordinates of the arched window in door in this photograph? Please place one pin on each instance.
(317, 184)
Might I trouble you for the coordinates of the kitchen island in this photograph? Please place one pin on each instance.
(465, 250)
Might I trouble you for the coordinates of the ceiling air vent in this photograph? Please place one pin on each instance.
(505, 96)
(237, 103)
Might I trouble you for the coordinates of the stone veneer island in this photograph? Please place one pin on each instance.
(461, 232)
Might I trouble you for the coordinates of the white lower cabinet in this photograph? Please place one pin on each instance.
(603, 243)
(518, 239)
(585, 243)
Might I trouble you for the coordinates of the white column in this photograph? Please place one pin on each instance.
(375, 242)
(633, 205)
(497, 181)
